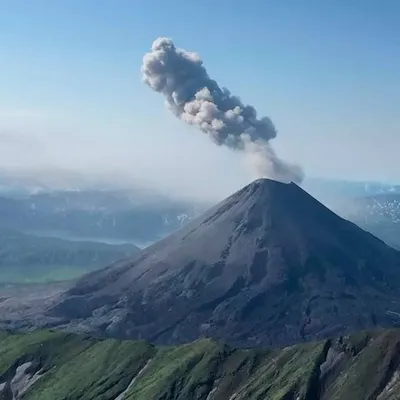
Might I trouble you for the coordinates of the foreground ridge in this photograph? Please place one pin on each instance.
(47, 365)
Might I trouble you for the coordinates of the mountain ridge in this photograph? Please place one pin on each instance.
(45, 365)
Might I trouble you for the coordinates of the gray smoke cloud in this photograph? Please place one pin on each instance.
(198, 100)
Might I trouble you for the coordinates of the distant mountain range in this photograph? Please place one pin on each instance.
(78, 210)
(26, 258)
(328, 189)
(373, 206)
(112, 217)
(378, 214)
(118, 217)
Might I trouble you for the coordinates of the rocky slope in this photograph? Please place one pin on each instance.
(45, 366)
(268, 266)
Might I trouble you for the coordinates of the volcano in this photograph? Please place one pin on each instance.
(269, 265)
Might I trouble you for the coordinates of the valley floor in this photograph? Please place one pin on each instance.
(56, 365)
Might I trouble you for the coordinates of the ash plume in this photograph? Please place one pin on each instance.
(198, 100)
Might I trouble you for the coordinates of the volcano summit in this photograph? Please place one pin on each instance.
(269, 265)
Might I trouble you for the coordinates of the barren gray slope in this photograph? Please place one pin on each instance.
(269, 265)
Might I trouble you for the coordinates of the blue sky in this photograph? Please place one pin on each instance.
(326, 72)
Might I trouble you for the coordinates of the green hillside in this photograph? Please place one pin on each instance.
(55, 365)
(26, 258)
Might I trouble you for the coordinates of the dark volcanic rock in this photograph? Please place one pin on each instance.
(270, 265)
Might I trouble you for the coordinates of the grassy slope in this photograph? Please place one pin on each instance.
(358, 367)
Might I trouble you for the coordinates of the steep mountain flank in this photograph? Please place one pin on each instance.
(270, 265)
